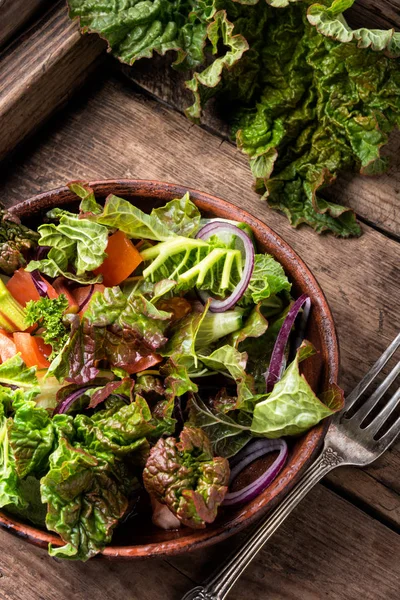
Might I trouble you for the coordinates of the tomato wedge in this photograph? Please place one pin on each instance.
(7, 346)
(23, 289)
(122, 259)
(31, 350)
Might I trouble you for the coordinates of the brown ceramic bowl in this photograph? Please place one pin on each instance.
(142, 539)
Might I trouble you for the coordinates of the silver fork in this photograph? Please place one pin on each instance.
(346, 443)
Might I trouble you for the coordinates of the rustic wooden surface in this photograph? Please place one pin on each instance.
(342, 542)
(16, 13)
(40, 71)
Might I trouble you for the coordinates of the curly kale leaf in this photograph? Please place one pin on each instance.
(16, 242)
(184, 475)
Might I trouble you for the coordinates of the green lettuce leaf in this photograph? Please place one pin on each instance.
(291, 408)
(179, 215)
(31, 436)
(136, 224)
(227, 359)
(268, 278)
(75, 242)
(84, 497)
(193, 263)
(330, 21)
(10, 492)
(15, 372)
(123, 430)
(228, 431)
(136, 30)
(88, 201)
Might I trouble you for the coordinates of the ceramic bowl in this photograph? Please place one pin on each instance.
(138, 537)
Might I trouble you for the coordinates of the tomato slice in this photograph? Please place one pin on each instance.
(21, 286)
(7, 346)
(31, 350)
(122, 259)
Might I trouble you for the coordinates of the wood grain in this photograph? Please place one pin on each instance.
(326, 549)
(40, 71)
(14, 14)
(111, 132)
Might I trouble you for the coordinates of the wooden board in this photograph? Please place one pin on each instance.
(326, 549)
(14, 14)
(110, 131)
(40, 71)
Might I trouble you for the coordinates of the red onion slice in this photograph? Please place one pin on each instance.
(250, 453)
(275, 366)
(219, 227)
(67, 402)
(40, 284)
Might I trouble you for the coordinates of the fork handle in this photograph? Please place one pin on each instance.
(219, 584)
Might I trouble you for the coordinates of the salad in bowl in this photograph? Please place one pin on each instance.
(147, 358)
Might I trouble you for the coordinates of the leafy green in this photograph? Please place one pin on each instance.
(84, 496)
(330, 21)
(31, 436)
(14, 372)
(290, 409)
(254, 326)
(49, 313)
(179, 215)
(136, 30)
(123, 430)
(74, 242)
(277, 70)
(9, 483)
(16, 241)
(88, 201)
(228, 359)
(181, 346)
(228, 431)
(217, 325)
(268, 278)
(184, 475)
(194, 263)
(132, 221)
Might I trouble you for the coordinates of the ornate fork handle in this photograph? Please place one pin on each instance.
(219, 584)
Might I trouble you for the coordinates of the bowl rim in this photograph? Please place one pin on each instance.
(312, 440)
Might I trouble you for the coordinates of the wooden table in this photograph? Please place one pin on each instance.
(342, 542)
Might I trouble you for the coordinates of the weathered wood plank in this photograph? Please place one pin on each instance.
(375, 199)
(114, 132)
(14, 14)
(28, 573)
(326, 549)
(39, 72)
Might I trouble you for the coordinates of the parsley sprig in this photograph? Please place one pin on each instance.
(48, 313)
